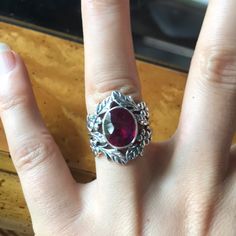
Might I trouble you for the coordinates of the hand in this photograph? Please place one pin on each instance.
(185, 186)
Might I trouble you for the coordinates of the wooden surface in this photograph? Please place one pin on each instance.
(56, 70)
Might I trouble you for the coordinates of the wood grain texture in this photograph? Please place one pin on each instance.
(56, 71)
(13, 211)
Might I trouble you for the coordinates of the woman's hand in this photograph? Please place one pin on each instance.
(185, 186)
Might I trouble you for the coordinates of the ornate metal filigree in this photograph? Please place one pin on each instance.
(98, 141)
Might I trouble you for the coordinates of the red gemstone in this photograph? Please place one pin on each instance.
(120, 127)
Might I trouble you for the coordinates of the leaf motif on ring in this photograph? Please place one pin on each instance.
(99, 138)
(122, 100)
(113, 155)
(91, 119)
(103, 106)
(133, 151)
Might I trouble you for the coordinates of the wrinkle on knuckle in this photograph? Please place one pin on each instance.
(101, 10)
(103, 4)
(103, 88)
(218, 66)
(33, 153)
(11, 102)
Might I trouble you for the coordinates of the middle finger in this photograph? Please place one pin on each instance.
(208, 118)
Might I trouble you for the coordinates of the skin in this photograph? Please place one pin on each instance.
(184, 186)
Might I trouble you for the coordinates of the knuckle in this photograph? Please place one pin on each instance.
(103, 88)
(33, 153)
(218, 66)
(127, 85)
(11, 102)
(100, 4)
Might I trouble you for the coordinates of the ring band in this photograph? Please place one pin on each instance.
(119, 129)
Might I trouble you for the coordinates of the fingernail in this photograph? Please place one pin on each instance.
(7, 59)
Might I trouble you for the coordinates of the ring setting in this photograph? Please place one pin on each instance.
(119, 129)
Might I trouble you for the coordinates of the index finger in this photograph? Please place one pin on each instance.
(42, 170)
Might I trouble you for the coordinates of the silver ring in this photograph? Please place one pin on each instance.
(119, 129)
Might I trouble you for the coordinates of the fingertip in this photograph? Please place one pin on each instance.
(7, 59)
(10, 63)
(13, 72)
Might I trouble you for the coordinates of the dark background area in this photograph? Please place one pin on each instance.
(164, 31)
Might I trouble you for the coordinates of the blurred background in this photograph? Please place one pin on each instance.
(164, 31)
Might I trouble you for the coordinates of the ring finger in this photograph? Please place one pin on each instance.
(110, 65)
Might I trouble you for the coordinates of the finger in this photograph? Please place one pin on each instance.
(208, 118)
(45, 178)
(110, 65)
(109, 56)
